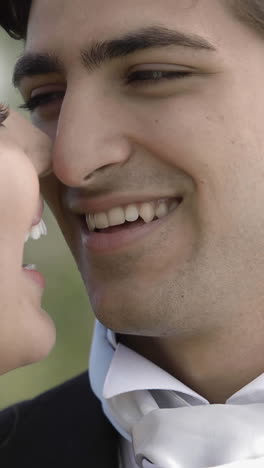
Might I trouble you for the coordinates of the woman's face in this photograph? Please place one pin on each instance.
(27, 333)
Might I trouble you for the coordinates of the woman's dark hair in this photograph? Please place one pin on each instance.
(14, 15)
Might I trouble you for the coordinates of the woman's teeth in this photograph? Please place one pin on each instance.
(130, 213)
(37, 231)
(29, 267)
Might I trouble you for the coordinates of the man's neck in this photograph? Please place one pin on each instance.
(216, 367)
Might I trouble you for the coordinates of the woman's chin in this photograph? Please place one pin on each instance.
(42, 339)
(32, 345)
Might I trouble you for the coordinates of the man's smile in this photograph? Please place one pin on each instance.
(120, 215)
(123, 235)
(113, 225)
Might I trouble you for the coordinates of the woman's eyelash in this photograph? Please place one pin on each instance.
(4, 112)
(41, 99)
(152, 76)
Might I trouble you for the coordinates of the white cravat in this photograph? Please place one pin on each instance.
(199, 437)
(170, 425)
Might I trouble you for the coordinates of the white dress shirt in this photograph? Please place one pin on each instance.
(130, 386)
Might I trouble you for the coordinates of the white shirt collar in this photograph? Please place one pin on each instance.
(117, 373)
(129, 372)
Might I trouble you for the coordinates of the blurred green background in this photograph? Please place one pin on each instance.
(65, 298)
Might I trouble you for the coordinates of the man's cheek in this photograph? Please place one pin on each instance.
(49, 187)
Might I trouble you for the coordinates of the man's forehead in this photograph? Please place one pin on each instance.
(53, 20)
(98, 53)
(64, 29)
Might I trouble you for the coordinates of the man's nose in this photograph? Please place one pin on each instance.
(91, 135)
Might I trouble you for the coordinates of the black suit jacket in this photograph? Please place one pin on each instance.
(63, 428)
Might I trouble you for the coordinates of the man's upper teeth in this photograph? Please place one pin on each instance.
(37, 231)
(119, 215)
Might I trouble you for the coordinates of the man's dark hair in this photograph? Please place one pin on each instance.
(249, 12)
(14, 15)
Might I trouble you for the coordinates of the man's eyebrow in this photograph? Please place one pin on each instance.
(33, 64)
(99, 52)
(152, 37)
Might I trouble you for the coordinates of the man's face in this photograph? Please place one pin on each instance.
(171, 125)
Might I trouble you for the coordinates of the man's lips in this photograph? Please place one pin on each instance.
(83, 205)
(118, 236)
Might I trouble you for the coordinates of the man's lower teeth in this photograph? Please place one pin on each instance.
(125, 225)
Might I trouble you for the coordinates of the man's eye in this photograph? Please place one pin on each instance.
(155, 76)
(41, 100)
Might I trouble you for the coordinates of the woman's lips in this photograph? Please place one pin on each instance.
(37, 229)
(35, 276)
(39, 213)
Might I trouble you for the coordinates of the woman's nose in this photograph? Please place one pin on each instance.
(91, 135)
(31, 140)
